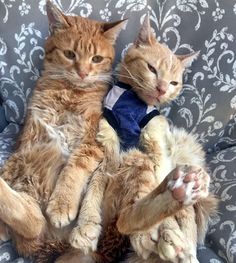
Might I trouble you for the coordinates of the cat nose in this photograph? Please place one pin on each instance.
(161, 89)
(83, 74)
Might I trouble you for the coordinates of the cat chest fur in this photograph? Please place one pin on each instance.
(66, 120)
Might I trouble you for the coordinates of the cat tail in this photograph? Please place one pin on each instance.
(50, 251)
(205, 209)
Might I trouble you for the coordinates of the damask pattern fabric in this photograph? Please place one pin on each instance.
(207, 105)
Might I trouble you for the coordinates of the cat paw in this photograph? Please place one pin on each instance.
(85, 237)
(171, 245)
(144, 243)
(188, 184)
(61, 212)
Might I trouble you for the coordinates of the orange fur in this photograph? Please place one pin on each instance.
(57, 151)
(136, 194)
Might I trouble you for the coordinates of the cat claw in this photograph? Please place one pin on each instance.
(189, 184)
(85, 237)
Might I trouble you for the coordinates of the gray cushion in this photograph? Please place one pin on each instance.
(206, 254)
(9, 254)
(3, 121)
(222, 234)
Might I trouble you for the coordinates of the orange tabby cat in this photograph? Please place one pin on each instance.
(57, 150)
(161, 221)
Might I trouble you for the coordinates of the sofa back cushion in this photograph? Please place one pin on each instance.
(207, 104)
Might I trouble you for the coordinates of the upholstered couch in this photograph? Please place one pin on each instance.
(207, 105)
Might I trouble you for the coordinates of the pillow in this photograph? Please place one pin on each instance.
(3, 121)
(207, 105)
(222, 232)
(208, 102)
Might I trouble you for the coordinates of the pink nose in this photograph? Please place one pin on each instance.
(161, 89)
(83, 74)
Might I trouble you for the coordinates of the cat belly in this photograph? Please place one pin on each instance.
(42, 162)
(66, 136)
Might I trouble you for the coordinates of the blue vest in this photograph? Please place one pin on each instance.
(127, 114)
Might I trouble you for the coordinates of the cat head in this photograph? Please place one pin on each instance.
(152, 69)
(79, 50)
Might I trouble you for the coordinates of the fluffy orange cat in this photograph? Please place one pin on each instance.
(57, 151)
(157, 196)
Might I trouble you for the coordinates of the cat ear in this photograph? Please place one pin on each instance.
(56, 18)
(145, 35)
(188, 59)
(112, 30)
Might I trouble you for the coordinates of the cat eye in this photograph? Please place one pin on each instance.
(174, 83)
(69, 54)
(97, 59)
(152, 69)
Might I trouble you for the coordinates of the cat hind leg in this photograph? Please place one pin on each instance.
(20, 212)
(183, 186)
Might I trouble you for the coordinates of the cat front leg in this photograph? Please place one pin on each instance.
(87, 232)
(64, 202)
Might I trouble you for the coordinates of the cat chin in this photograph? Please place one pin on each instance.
(77, 84)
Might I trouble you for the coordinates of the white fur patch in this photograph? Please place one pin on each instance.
(171, 88)
(189, 195)
(56, 135)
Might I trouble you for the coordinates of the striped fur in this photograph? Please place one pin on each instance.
(42, 182)
(161, 227)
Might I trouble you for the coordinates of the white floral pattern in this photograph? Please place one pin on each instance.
(207, 105)
(24, 8)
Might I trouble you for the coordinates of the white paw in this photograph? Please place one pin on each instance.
(145, 243)
(171, 245)
(189, 184)
(85, 237)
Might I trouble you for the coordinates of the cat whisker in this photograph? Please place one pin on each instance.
(140, 85)
(60, 73)
(120, 75)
